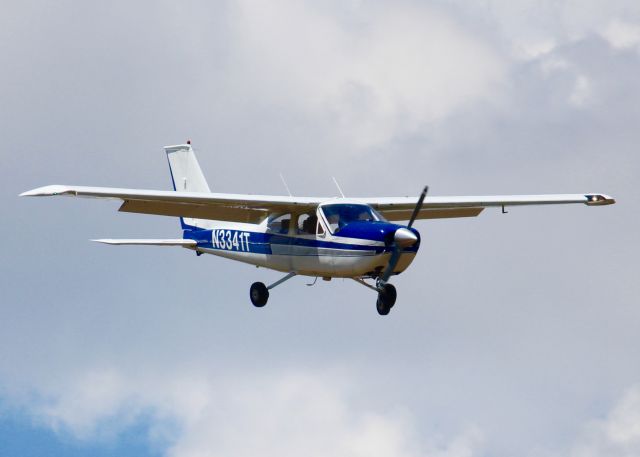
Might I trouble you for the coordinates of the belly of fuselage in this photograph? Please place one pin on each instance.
(336, 263)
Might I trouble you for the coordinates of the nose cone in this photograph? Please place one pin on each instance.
(405, 238)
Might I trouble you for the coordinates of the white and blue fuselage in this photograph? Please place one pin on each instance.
(354, 248)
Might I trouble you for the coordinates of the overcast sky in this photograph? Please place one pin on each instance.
(512, 335)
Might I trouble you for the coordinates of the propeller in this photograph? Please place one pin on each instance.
(418, 206)
(403, 237)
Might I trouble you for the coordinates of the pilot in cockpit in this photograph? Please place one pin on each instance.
(334, 221)
(364, 215)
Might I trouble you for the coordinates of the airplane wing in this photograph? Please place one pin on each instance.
(254, 208)
(400, 209)
(200, 205)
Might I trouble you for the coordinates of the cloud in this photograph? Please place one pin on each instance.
(618, 434)
(530, 25)
(244, 414)
(621, 34)
(371, 72)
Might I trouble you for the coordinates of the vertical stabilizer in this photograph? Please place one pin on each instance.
(187, 176)
(185, 169)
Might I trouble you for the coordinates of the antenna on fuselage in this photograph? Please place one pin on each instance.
(338, 186)
(285, 185)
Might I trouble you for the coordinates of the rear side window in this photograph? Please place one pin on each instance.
(280, 224)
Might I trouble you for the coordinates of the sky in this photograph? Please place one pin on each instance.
(513, 334)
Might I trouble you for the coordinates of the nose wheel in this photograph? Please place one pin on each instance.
(386, 299)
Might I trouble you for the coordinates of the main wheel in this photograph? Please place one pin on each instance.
(386, 299)
(259, 294)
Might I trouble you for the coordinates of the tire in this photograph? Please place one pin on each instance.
(389, 295)
(386, 299)
(259, 294)
(382, 308)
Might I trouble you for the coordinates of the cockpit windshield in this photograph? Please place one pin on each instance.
(341, 214)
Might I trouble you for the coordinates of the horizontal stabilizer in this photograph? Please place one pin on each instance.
(176, 242)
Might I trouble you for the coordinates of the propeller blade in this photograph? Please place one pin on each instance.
(418, 206)
(402, 237)
(393, 261)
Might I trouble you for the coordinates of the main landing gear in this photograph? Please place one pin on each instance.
(259, 293)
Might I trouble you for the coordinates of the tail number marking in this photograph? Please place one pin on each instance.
(230, 240)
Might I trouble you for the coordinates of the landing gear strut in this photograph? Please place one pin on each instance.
(259, 293)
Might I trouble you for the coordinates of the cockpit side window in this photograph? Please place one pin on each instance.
(280, 224)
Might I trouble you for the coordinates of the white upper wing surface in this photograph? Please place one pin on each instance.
(400, 209)
(254, 208)
(200, 205)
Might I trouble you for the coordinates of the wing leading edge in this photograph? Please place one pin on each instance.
(254, 208)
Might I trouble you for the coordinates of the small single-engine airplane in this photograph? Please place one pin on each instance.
(357, 238)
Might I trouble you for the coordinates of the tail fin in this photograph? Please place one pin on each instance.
(185, 169)
(187, 177)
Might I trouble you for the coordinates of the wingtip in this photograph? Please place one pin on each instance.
(29, 193)
(105, 241)
(45, 191)
(599, 200)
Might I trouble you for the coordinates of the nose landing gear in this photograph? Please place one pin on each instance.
(386, 295)
(386, 299)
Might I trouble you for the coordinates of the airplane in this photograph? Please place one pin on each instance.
(356, 238)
